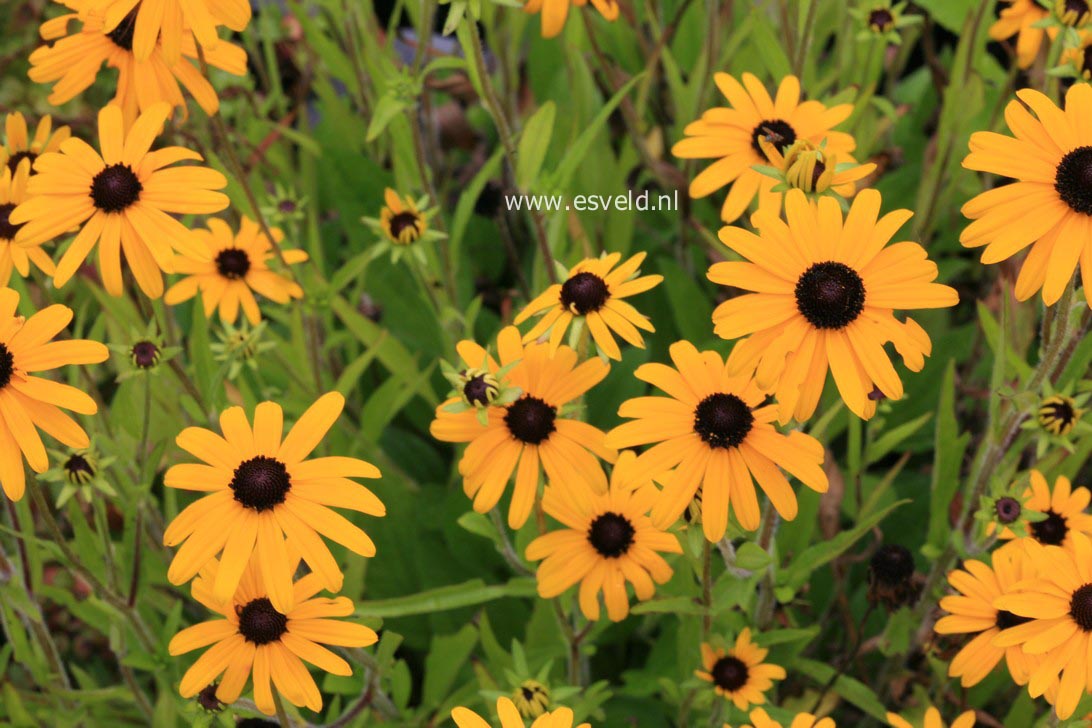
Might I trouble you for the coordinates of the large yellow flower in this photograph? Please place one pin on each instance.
(530, 434)
(121, 198)
(262, 490)
(28, 402)
(1049, 206)
(1065, 508)
(18, 145)
(256, 639)
(761, 719)
(739, 674)
(932, 720)
(608, 540)
(717, 431)
(593, 291)
(173, 24)
(1020, 19)
(73, 61)
(510, 718)
(13, 190)
(731, 134)
(555, 12)
(239, 268)
(822, 294)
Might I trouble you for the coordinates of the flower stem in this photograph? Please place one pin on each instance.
(282, 717)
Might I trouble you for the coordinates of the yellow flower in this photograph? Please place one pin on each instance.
(1059, 414)
(607, 540)
(19, 146)
(739, 674)
(255, 639)
(1020, 18)
(132, 190)
(806, 167)
(822, 290)
(1074, 13)
(593, 291)
(13, 190)
(761, 719)
(530, 434)
(74, 60)
(510, 717)
(1049, 204)
(262, 490)
(402, 222)
(730, 135)
(1064, 507)
(28, 402)
(932, 720)
(531, 698)
(717, 431)
(555, 12)
(169, 24)
(239, 267)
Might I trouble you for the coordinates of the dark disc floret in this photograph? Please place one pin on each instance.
(777, 132)
(1008, 509)
(78, 469)
(881, 19)
(232, 263)
(122, 35)
(892, 564)
(611, 534)
(1052, 530)
(145, 354)
(207, 699)
(13, 160)
(7, 366)
(403, 221)
(261, 483)
(115, 188)
(584, 293)
(830, 295)
(729, 673)
(1073, 180)
(723, 420)
(7, 227)
(1086, 60)
(477, 390)
(530, 420)
(260, 623)
(1005, 620)
(1080, 607)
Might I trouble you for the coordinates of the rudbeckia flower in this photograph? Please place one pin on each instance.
(239, 268)
(822, 290)
(530, 434)
(131, 191)
(1021, 18)
(1049, 205)
(761, 719)
(717, 432)
(1065, 508)
(262, 489)
(13, 190)
(607, 541)
(18, 145)
(509, 717)
(256, 640)
(731, 135)
(555, 12)
(739, 674)
(29, 403)
(932, 720)
(593, 291)
(400, 219)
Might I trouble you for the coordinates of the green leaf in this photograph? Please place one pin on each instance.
(949, 448)
(467, 594)
(533, 143)
(388, 108)
(752, 557)
(447, 655)
(852, 690)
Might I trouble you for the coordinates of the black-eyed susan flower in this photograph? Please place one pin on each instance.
(262, 490)
(509, 717)
(19, 145)
(932, 719)
(607, 541)
(1048, 206)
(170, 24)
(1005, 512)
(972, 612)
(80, 471)
(1022, 18)
(731, 135)
(1058, 606)
(822, 290)
(555, 12)
(718, 434)
(531, 698)
(891, 579)
(530, 435)
(257, 641)
(807, 167)
(13, 190)
(28, 402)
(761, 719)
(402, 221)
(120, 200)
(74, 58)
(1072, 13)
(236, 267)
(739, 674)
(1063, 506)
(592, 293)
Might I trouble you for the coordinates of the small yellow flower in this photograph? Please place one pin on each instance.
(739, 674)
(1059, 414)
(555, 12)
(807, 167)
(18, 145)
(13, 190)
(402, 222)
(1021, 18)
(1074, 13)
(1065, 508)
(532, 698)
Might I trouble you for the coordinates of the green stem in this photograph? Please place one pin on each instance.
(282, 717)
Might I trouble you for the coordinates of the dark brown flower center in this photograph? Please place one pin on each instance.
(1073, 180)
(7, 227)
(77, 469)
(145, 354)
(261, 483)
(1005, 620)
(530, 420)
(584, 293)
(476, 390)
(611, 535)
(1080, 607)
(1052, 530)
(1058, 415)
(260, 623)
(232, 263)
(776, 132)
(1086, 59)
(881, 19)
(1080, 7)
(122, 35)
(115, 188)
(1008, 509)
(13, 160)
(892, 565)
(830, 295)
(729, 674)
(404, 221)
(7, 366)
(723, 420)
